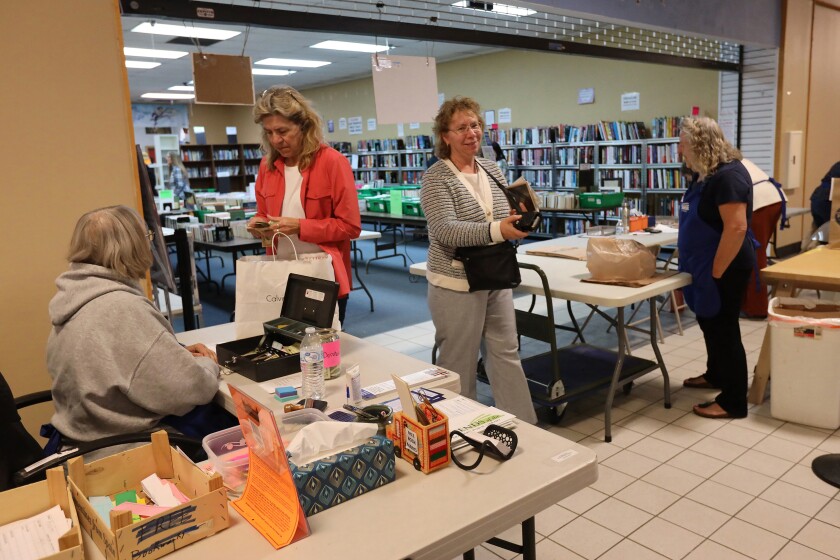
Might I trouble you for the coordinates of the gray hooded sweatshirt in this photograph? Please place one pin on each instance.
(116, 365)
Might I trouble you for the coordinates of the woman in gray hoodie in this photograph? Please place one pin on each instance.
(116, 365)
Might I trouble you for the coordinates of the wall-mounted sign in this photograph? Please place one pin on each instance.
(354, 125)
(586, 96)
(630, 101)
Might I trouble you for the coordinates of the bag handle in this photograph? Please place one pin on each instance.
(274, 247)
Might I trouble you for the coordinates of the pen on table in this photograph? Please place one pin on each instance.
(358, 411)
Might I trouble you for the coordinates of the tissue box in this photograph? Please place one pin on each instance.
(333, 480)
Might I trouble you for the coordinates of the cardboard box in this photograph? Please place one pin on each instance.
(32, 499)
(307, 302)
(333, 480)
(204, 515)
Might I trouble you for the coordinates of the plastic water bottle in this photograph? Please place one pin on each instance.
(312, 365)
(623, 225)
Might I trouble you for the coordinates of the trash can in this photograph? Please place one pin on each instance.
(804, 358)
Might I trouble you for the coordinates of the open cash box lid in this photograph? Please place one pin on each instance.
(308, 302)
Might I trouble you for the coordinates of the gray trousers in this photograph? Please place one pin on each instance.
(466, 322)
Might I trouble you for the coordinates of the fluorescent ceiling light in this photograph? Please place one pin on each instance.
(153, 53)
(271, 72)
(145, 64)
(292, 63)
(348, 46)
(168, 96)
(496, 8)
(185, 31)
(181, 88)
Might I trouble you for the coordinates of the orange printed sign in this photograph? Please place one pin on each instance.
(270, 502)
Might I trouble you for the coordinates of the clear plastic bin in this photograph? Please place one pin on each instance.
(290, 423)
(228, 453)
(804, 337)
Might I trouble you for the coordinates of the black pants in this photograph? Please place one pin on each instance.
(726, 362)
(342, 309)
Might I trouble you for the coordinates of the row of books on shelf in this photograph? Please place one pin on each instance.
(665, 179)
(528, 156)
(193, 155)
(664, 206)
(419, 142)
(603, 131)
(226, 154)
(390, 177)
(618, 155)
(253, 153)
(663, 153)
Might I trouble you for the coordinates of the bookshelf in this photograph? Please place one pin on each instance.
(550, 158)
(396, 161)
(206, 163)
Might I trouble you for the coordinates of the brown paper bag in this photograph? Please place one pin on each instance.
(612, 259)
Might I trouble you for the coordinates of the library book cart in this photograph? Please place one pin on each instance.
(565, 374)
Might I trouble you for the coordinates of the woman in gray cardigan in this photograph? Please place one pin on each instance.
(464, 208)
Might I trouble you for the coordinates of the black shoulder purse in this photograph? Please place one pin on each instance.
(490, 267)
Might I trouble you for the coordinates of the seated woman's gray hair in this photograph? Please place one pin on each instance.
(114, 237)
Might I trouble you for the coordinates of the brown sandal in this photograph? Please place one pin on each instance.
(702, 410)
(698, 382)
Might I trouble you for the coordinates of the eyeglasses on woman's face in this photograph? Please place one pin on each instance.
(463, 129)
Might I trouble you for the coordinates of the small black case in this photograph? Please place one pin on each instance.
(307, 302)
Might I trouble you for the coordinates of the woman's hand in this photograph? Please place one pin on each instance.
(289, 226)
(508, 229)
(201, 350)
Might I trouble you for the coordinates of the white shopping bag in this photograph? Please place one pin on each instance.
(261, 284)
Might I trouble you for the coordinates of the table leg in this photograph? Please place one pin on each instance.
(234, 255)
(392, 246)
(654, 325)
(616, 374)
(354, 250)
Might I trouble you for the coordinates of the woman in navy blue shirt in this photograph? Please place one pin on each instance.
(716, 248)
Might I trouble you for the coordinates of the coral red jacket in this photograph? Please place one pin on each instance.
(330, 203)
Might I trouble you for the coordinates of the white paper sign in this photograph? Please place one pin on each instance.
(728, 124)
(504, 115)
(441, 99)
(400, 129)
(630, 101)
(489, 118)
(586, 96)
(371, 124)
(342, 124)
(354, 125)
(414, 125)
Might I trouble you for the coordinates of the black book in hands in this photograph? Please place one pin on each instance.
(525, 202)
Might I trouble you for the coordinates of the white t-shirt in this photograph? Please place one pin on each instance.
(293, 208)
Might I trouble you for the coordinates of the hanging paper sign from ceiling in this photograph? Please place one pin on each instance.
(223, 79)
(405, 88)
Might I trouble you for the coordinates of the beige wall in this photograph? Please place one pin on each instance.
(66, 148)
(539, 88)
(808, 82)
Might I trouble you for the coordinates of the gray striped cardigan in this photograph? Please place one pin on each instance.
(455, 219)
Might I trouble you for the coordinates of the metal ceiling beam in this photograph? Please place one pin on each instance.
(303, 21)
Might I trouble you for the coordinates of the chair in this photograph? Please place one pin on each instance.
(22, 460)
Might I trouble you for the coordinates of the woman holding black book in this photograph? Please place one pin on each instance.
(465, 208)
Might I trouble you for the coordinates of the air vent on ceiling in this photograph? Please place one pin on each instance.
(192, 41)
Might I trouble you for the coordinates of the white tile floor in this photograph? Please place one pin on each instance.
(673, 485)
